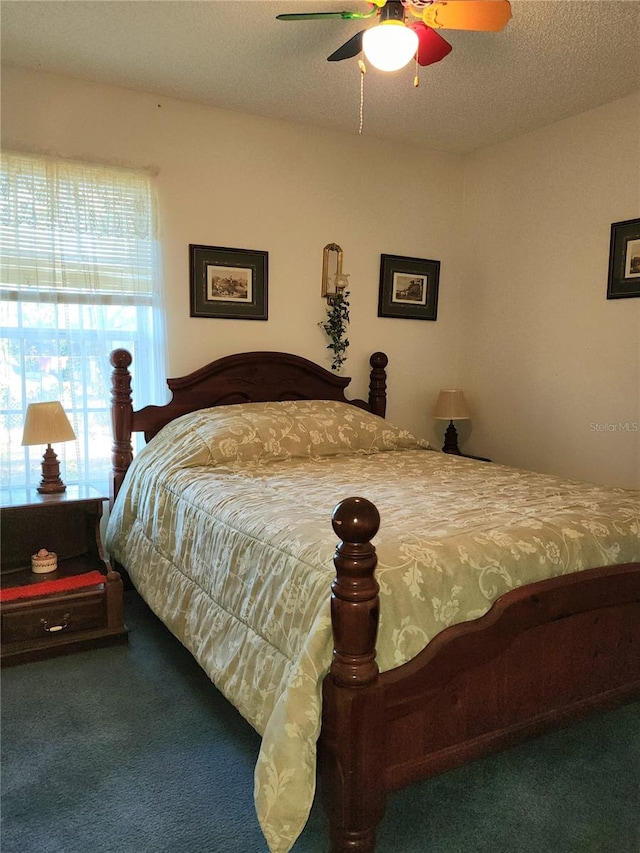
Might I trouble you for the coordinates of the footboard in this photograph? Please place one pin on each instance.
(545, 655)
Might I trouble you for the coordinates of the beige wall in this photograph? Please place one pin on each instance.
(521, 229)
(546, 357)
(226, 179)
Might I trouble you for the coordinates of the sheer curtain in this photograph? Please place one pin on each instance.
(79, 276)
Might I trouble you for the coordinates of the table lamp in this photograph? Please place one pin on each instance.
(46, 423)
(451, 406)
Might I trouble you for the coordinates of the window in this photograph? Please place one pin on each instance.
(78, 278)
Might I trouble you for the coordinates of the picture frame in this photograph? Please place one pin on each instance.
(228, 284)
(624, 260)
(408, 287)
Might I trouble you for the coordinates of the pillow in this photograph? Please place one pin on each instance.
(267, 432)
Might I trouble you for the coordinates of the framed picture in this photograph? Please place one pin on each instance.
(408, 287)
(228, 283)
(624, 260)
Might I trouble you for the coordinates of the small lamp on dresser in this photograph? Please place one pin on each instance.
(46, 423)
(451, 406)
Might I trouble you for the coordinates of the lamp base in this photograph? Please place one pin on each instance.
(51, 483)
(451, 440)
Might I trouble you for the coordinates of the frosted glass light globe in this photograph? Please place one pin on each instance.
(390, 45)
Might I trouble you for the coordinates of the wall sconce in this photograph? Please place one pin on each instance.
(451, 406)
(47, 423)
(333, 283)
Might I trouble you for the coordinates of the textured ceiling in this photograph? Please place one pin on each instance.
(554, 59)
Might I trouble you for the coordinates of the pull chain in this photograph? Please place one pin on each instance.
(363, 71)
(416, 79)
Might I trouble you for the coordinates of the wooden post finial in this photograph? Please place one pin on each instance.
(355, 602)
(121, 418)
(378, 383)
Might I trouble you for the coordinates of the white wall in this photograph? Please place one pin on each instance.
(521, 229)
(546, 356)
(227, 179)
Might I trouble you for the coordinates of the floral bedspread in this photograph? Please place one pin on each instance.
(224, 524)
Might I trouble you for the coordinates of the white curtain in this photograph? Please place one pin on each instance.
(79, 276)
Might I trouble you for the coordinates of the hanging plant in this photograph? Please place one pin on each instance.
(335, 327)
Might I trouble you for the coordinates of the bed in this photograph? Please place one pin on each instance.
(495, 604)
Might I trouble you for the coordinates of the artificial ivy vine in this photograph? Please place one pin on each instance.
(335, 326)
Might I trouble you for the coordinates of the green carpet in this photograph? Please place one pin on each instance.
(130, 749)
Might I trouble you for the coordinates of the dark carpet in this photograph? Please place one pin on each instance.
(130, 749)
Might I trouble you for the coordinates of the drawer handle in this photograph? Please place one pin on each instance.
(54, 628)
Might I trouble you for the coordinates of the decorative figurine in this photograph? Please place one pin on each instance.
(44, 561)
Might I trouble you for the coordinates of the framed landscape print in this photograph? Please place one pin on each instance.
(624, 260)
(228, 283)
(408, 287)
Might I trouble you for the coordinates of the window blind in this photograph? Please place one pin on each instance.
(79, 276)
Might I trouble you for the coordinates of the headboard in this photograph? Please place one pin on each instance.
(249, 377)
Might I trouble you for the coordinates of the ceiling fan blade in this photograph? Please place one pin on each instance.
(482, 15)
(346, 16)
(431, 46)
(349, 48)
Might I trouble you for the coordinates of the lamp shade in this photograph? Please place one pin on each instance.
(46, 423)
(390, 45)
(451, 406)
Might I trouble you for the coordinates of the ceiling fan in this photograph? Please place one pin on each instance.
(407, 28)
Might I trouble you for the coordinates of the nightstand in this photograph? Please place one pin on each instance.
(56, 621)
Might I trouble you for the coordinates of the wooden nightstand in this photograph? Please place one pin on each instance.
(58, 622)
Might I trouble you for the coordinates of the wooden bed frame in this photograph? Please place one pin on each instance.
(545, 654)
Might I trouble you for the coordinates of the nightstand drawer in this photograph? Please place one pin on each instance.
(53, 619)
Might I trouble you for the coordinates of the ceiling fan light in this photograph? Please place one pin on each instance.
(390, 45)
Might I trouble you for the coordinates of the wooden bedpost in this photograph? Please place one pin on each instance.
(351, 758)
(121, 418)
(378, 384)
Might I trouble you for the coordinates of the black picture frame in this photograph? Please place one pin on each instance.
(408, 288)
(229, 284)
(624, 260)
